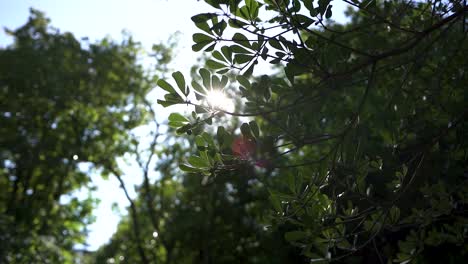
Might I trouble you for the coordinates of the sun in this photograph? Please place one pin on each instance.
(218, 100)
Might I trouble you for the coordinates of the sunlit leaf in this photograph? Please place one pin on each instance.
(166, 86)
(188, 168)
(198, 162)
(180, 80)
(176, 117)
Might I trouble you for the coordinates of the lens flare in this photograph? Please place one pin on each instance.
(218, 100)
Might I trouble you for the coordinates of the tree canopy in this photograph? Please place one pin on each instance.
(65, 105)
(350, 149)
(359, 138)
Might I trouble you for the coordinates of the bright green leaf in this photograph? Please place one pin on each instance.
(176, 117)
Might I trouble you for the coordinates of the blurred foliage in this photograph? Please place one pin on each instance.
(66, 106)
(220, 220)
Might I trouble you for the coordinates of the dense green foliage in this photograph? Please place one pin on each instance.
(361, 144)
(62, 105)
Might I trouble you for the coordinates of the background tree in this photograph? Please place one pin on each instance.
(190, 219)
(63, 104)
(363, 137)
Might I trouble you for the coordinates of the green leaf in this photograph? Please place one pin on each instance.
(206, 158)
(204, 26)
(188, 168)
(198, 88)
(255, 46)
(275, 61)
(214, 3)
(166, 86)
(242, 58)
(292, 69)
(176, 124)
(184, 129)
(180, 80)
(236, 23)
(199, 38)
(275, 44)
(207, 137)
(198, 162)
(224, 81)
(239, 49)
(308, 4)
(254, 128)
(295, 7)
(264, 53)
(211, 48)
(199, 46)
(249, 71)
(241, 40)
(245, 129)
(275, 201)
(220, 134)
(219, 28)
(165, 103)
(199, 141)
(217, 55)
(394, 214)
(227, 52)
(304, 21)
(203, 17)
(172, 97)
(322, 5)
(244, 81)
(243, 12)
(215, 65)
(200, 110)
(216, 82)
(328, 14)
(176, 117)
(218, 158)
(223, 71)
(206, 77)
(252, 7)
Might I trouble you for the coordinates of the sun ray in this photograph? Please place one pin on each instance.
(218, 100)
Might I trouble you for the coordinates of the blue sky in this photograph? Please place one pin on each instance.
(150, 22)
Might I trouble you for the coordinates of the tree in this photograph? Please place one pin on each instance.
(361, 140)
(65, 105)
